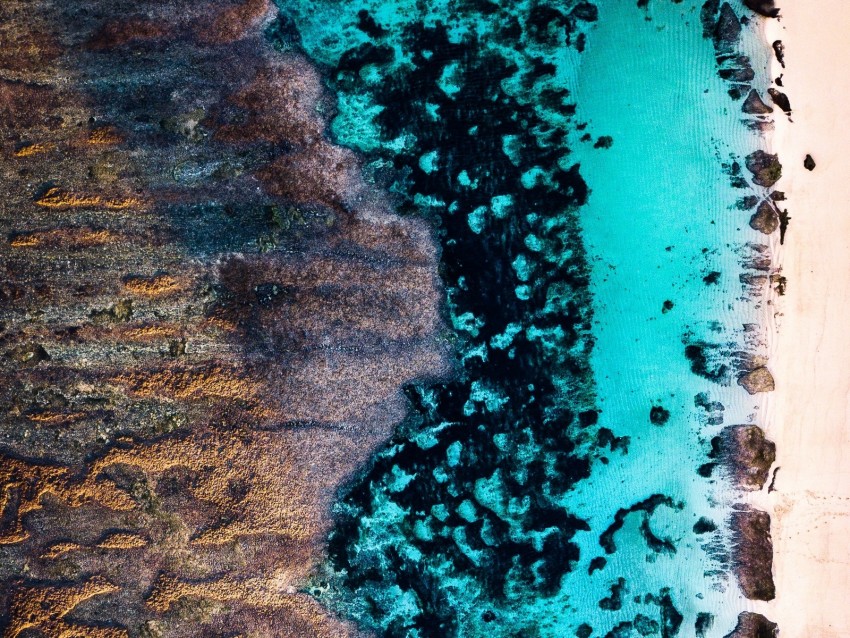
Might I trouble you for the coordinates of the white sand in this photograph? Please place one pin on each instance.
(808, 416)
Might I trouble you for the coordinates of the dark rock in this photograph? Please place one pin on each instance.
(704, 526)
(707, 13)
(658, 415)
(742, 74)
(765, 219)
(584, 631)
(784, 218)
(596, 564)
(779, 50)
(777, 196)
(604, 141)
(779, 80)
(703, 623)
(727, 30)
(748, 202)
(780, 99)
(809, 163)
(754, 105)
(752, 625)
(765, 168)
(667, 306)
(757, 380)
(766, 8)
(712, 278)
(752, 553)
(747, 454)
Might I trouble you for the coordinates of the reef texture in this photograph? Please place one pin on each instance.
(206, 317)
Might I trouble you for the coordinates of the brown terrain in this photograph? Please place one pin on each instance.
(206, 317)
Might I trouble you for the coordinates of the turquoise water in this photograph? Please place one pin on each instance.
(575, 162)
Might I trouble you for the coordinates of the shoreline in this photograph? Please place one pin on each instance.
(806, 416)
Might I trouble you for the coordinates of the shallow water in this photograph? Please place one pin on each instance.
(486, 512)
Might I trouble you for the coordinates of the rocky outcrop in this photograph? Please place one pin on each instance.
(757, 380)
(809, 163)
(765, 168)
(754, 105)
(779, 50)
(765, 219)
(727, 29)
(766, 8)
(751, 625)
(747, 454)
(780, 99)
(752, 553)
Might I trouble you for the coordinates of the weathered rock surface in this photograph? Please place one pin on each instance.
(206, 317)
(758, 380)
(765, 219)
(779, 51)
(754, 105)
(727, 30)
(747, 454)
(765, 168)
(752, 625)
(766, 8)
(780, 99)
(752, 553)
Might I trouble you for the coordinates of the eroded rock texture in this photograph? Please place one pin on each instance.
(205, 320)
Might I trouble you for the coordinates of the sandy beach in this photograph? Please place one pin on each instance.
(808, 416)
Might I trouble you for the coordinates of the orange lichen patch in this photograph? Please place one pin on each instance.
(62, 200)
(122, 540)
(57, 549)
(44, 608)
(65, 237)
(211, 381)
(276, 592)
(56, 418)
(22, 485)
(154, 286)
(233, 23)
(151, 332)
(33, 149)
(138, 29)
(31, 50)
(104, 136)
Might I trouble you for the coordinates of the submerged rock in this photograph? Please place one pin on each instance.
(809, 163)
(754, 105)
(727, 30)
(752, 625)
(766, 8)
(765, 168)
(757, 380)
(765, 219)
(752, 553)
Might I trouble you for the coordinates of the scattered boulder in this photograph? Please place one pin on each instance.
(754, 105)
(585, 11)
(605, 141)
(757, 380)
(784, 218)
(765, 219)
(779, 50)
(765, 168)
(766, 8)
(752, 625)
(809, 163)
(752, 553)
(780, 99)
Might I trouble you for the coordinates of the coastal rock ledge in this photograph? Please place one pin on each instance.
(748, 455)
(751, 625)
(752, 553)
